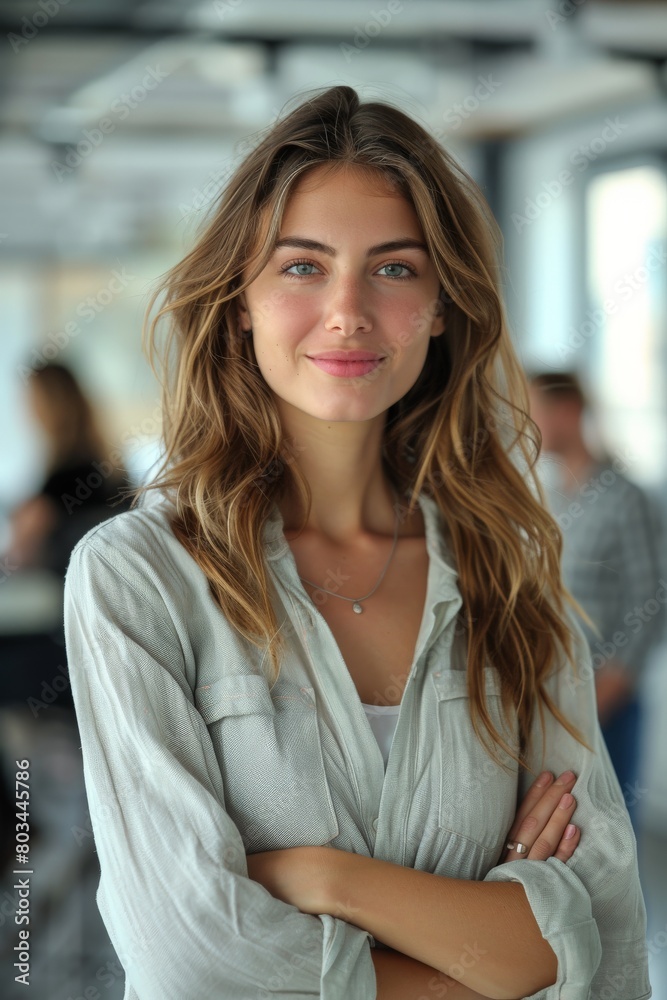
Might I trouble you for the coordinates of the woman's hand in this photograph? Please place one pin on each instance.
(297, 875)
(542, 822)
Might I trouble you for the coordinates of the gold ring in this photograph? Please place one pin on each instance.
(521, 849)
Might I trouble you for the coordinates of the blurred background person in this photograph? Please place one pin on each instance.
(80, 487)
(609, 560)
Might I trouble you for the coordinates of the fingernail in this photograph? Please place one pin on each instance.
(565, 777)
(566, 801)
(544, 778)
(570, 831)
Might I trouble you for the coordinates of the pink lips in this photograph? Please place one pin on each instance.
(347, 364)
(346, 369)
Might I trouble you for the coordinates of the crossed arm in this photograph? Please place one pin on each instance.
(483, 935)
(399, 977)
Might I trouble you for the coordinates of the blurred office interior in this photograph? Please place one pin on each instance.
(121, 120)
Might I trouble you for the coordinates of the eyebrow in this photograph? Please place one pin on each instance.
(405, 243)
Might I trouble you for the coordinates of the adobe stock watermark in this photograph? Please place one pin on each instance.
(365, 33)
(205, 195)
(624, 287)
(616, 984)
(581, 158)
(87, 309)
(284, 972)
(103, 814)
(128, 953)
(7, 568)
(420, 322)
(270, 817)
(49, 691)
(224, 8)
(107, 974)
(564, 9)
(32, 25)
(216, 179)
(594, 488)
(121, 108)
(459, 112)
(85, 487)
(607, 649)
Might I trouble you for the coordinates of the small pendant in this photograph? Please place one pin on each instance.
(357, 608)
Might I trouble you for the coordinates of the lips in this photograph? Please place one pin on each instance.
(346, 369)
(346, 356)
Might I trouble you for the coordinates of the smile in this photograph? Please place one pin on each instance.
(346, 369)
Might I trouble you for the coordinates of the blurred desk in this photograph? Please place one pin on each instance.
(33, 663)
(30, 602)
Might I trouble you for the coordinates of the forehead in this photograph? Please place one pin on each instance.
(353, 175)
(335, 193)
(543, 397)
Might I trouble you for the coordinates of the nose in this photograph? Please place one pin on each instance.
(345, 309)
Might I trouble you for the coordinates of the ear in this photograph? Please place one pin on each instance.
(439, 321)
(438, 318)
(245, 323)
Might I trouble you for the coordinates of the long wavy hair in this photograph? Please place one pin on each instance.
(453, 436)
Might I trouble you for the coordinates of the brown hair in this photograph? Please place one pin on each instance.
(68, 415)
(227, 460)
(559, 385)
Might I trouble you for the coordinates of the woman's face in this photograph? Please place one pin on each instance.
(350, 272)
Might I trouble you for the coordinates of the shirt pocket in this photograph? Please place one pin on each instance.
(477, 798)
(267, 741)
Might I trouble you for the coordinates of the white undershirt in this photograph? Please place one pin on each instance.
(383, 719)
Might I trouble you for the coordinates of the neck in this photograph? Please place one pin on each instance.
(352, 497)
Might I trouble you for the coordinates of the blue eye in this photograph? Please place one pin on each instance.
(402, 267)
(298, 264)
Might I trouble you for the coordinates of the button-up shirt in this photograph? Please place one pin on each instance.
(193, 760)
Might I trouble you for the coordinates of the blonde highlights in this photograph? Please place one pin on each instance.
(462, 433)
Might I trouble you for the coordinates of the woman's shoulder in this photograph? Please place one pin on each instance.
(137, 544)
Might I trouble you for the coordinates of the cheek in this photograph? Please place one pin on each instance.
(409, 328)
(278, 311)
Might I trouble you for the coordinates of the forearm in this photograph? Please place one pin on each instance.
(483, 934)
(400, 977)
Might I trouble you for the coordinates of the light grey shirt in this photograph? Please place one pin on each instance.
(191, 760)
(610, 561)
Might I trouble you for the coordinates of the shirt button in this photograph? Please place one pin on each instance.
(375, 823)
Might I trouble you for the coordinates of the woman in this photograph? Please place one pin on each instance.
(330, 539)
(80, 486)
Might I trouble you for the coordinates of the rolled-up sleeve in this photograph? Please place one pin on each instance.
(590, 909)
(185, 919)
